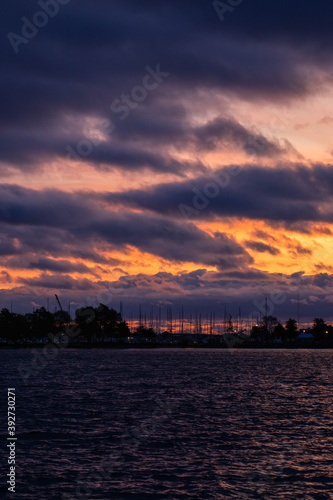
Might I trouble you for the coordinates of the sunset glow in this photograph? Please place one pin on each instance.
(194, 170)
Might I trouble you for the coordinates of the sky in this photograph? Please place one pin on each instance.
(168, 154)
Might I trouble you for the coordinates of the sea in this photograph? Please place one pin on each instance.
(146, 424)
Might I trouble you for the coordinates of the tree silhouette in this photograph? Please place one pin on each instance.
(108, 320)
(270, 322)
(291, 329)
(61, 318)
(41, 322)
(255, 332)
(319, 328)
(280, 332)
(144, 332)
(13, 327)
(100, 322)
(123, 330)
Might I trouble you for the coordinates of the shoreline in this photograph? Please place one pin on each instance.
(245, 345)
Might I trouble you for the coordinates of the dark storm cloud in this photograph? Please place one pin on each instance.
(122, 38)
(56, 222)
(323, 280)
(261, 247)
(292, 193)
(247, 275)
(304, 227)
(199, 290)
(52, 222)
(168, 239)
(59, 266)
(86, 57)
(213, 134)
(263, 235)
(195, 281)
(165, 122)
(23, 242)
(298, 249)
(214, 291)
(27, 150)
(172, 126)
(7, 247)
(106, 156)
(20, 206)
(90, 54)
(64, 282)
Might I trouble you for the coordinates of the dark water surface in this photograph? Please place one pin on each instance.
(171, 424)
